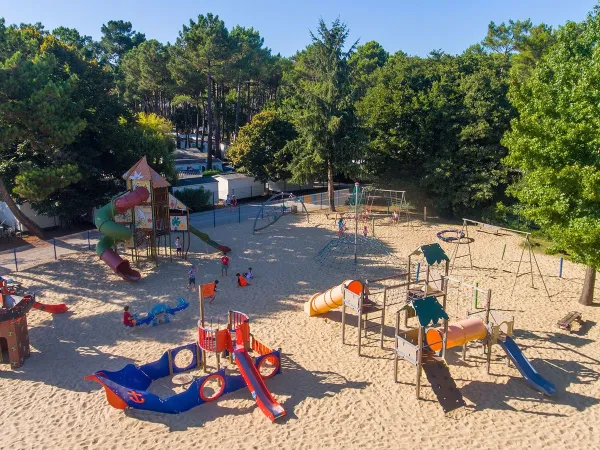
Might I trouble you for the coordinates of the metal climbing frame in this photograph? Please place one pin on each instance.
(394, 200)
(274, 208)
(486, 227)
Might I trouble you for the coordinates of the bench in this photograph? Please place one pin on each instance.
(566, 322)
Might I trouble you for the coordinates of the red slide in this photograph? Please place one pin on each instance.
(52, 309)
(265, 401)
(114, 232)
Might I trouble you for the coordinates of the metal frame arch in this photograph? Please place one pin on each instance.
(279, 196)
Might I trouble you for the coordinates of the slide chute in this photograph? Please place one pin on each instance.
(114, 232)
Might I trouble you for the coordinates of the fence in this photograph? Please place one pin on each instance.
(26, 257)
(248, 210)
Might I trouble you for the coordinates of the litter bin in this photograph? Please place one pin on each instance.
(294, 209)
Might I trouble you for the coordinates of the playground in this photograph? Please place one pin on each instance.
(333, 395)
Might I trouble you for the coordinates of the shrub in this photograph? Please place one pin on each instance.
(210, 173)
(195, 199)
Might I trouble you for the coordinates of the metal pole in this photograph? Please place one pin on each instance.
(476, 294)
(560, 268)
(214, 217)
(54, 244)
(16, 264)
(424, 213)
(418, 271)
(419, 362)
(504, 250)
(89, 243)
(373, 225)
(356, 185)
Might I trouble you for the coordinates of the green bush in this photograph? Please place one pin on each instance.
(210, 173)
(195, 199)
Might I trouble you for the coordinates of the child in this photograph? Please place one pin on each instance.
(340, 226)
(365, 231)
(227, 200)
(395, 217)
(209, 291)
(241, 280)
(224, 264)
(249, 274)
(234, 201)
(192, 278)
(128, 319)
(178, 246)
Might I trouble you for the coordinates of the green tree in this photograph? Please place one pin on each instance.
(205, 46)
(363, 63)
(329, 140)
(148, 84)
(260, 150)
(38, 115)
(118, 37)
(437, 122)
(555, 142)
(71, 36)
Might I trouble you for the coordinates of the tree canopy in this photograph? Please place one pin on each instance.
(260, 150)
(555, 139)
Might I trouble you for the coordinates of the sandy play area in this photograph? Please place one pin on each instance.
(333, 397)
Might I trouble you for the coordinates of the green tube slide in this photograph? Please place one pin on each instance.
(112, 231)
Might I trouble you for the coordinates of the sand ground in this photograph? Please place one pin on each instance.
(333, 397)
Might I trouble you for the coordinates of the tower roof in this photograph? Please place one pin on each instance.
(142, 171)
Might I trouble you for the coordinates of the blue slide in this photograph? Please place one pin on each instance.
(524, 366)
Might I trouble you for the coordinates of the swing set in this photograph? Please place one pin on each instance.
(496, 230)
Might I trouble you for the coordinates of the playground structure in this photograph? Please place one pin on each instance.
(160, 313)
(392, 200)
(128, 387)
(14, 332)
(277, 206)
(355, 295)
(488, 228)
(425, 345)
(355, 255)
(143, 219)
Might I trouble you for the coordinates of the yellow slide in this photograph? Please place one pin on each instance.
(331, 299)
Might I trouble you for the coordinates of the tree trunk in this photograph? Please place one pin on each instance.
(197, 122)
(587, 294)
(21, 217)
(249, 112)
(209, 120)
(223, 115)
(217, 121)
(330, 191)
(237, 108)
(203, 126)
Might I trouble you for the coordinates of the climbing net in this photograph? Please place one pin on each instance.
(373, 259)
(274, 208)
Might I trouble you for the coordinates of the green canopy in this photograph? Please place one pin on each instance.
(429, 311)
(434, 254)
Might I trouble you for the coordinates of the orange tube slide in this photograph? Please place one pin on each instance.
(330, 299)
(459, 333)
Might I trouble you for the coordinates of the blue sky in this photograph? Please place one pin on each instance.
(414, 26)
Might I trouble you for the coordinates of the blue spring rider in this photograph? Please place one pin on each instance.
(160, 313)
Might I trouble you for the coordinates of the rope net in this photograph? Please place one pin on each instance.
(373, 258)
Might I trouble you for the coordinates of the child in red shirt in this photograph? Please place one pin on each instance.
(241, 280)
(224, 264)
(128, 319)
